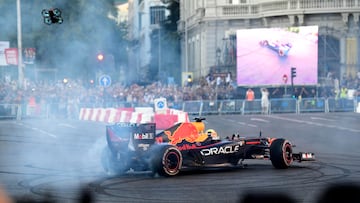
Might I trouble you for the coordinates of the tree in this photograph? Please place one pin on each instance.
(170, 44)
(172, 55)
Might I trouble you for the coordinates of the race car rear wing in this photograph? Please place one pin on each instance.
(136, 137)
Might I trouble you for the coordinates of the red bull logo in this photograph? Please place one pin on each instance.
(185, 131)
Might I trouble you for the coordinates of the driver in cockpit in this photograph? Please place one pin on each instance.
(212, 136)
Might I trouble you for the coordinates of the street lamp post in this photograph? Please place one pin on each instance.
(19, 41)
(186, 37)
(159, 58)
(218, 55)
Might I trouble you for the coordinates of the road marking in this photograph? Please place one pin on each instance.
(251, 125)
(66, 125)
(323, 119)
(241, 123)
(37, 129)
(317, 124)
(259, 119)
(44, 132)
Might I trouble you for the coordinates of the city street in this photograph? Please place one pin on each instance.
(61, 158)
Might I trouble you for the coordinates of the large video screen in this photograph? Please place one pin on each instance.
(264, 56)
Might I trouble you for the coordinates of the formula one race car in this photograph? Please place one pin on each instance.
(281, 48)
(187, 146)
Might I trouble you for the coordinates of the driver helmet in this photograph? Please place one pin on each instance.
(212, 133)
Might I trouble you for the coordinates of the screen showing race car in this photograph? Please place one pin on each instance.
(265, 56)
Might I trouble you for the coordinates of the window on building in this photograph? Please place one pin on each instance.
(237, 1)
(157, 14)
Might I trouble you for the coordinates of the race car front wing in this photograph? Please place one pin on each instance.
(303, 156)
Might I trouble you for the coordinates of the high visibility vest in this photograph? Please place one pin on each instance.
(32, 102)
(250, 96)
(343, 93)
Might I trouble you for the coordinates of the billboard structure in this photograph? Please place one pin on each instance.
(12, 56)
(3, 45)
(265, 55)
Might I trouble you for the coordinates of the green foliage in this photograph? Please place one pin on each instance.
(170, 47)
(70, 47)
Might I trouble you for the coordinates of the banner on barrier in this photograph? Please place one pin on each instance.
(3, 45)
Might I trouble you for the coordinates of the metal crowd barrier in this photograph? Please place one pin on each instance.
(281, 105)
(9, 110)
(203, 107)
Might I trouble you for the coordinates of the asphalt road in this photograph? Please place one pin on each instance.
(61, 158)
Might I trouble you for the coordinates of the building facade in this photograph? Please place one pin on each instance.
(122, 12)
(144, 18)
(208, 31)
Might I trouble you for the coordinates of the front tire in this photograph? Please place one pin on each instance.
(281, 153)
(166, 160)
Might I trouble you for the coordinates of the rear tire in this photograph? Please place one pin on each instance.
(111, 165)
(264, 43)
(281, 53)
(281, 153)
(166, 160)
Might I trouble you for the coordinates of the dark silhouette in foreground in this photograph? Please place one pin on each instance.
(335, 193)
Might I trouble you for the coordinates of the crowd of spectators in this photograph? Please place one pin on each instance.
(84, 94)
(90, 93)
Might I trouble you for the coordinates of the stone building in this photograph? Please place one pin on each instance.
(208, 31)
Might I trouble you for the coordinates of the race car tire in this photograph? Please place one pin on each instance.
(166, 160)
(234, 161)
(281, 153)
(111, 165)
(281, 52)
(264, 43)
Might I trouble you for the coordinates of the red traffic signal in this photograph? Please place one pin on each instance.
(285, 78)
(100, 57)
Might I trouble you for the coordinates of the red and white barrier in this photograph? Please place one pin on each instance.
(147, 113)
(164, 121)
(112, 115)
(141, 115)
(182, 116)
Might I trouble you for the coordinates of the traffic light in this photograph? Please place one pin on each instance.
(100, 57)
(293, 72)
(189, 78)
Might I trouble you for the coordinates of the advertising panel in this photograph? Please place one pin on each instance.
(12, 56)
(3, 45)
(265, 55)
